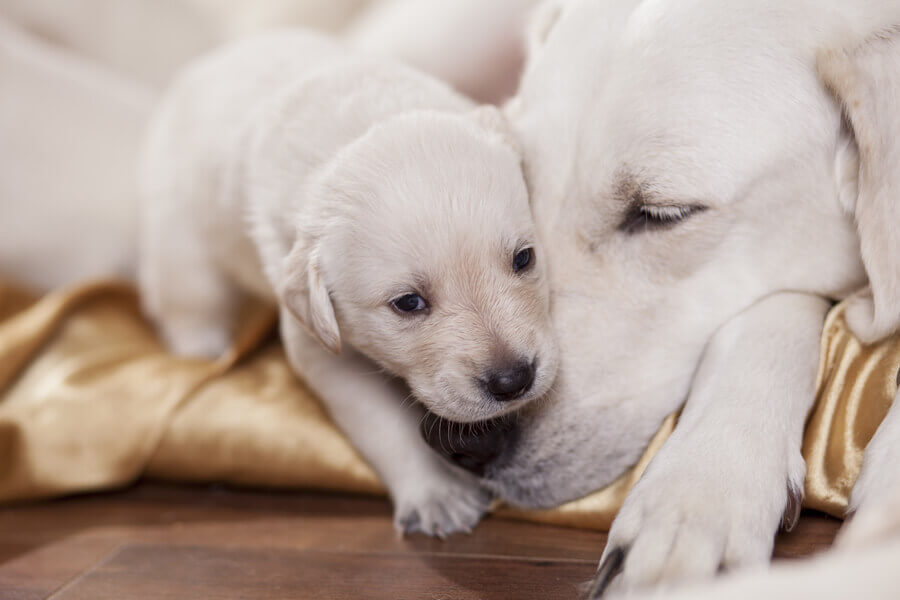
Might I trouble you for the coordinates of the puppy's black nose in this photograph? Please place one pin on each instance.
(510, 382)
(471, 446)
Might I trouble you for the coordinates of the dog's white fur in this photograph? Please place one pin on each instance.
(67, 170)
(150, 40)
(868, 571)
(634, 109)
(474, 45)
(286, 168)
(863, 562)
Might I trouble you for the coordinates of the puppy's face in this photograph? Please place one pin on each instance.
(432, 263)
(685, 161)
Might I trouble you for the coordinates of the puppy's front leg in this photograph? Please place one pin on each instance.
(375, 412)
(716, 492)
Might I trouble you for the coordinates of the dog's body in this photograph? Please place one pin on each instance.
(384, 213)
(704, 194)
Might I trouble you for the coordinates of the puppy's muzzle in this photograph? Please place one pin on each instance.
(472, 446)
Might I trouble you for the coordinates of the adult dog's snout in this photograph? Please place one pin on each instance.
(471, 446)
(510, 381)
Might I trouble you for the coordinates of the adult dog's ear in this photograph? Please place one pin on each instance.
(866, 81)
(540, 22)
(303, 292)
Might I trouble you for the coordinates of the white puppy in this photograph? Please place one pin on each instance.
(709, 173)
(386, 215)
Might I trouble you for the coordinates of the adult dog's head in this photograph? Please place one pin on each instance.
(686, 159)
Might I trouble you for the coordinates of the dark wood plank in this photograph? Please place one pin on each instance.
(136, 572)
(54, 545)
(38, 574)
(814, 532)
(333, 520)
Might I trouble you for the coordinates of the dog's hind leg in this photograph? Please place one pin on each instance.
(183, 290)
(183, 224)
(189, 299)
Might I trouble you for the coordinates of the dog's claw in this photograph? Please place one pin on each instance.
(409, 524)
(792, 509)
(442, 506)
(606, 572)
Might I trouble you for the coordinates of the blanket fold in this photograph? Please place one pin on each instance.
(90, 400)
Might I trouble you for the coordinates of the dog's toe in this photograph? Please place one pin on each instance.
(441, 507)
(680, 523)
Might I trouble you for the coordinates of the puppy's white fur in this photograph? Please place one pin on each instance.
(778, 120)
(286, 168)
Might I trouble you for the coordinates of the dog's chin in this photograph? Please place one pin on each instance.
(469, 408)
(521, 496)
(473, 404)
(552, 461)
(540, 487)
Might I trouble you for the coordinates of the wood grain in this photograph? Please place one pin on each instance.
(165, 541)
(231, 574)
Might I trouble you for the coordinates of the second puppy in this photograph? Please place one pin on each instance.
(386, 215)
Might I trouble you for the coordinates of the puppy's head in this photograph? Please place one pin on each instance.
(421, 253)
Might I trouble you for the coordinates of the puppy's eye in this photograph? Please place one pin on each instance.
(409, 303)
(647, 217)
(523, 259)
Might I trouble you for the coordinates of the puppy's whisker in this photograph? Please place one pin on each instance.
(409, 400)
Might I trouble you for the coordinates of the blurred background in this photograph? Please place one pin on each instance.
(78, 79)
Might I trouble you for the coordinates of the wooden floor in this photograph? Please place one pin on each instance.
(209, 543)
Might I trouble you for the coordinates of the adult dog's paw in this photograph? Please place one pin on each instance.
(441, 503)
(876, 493)
(875, 521)
(693, 513)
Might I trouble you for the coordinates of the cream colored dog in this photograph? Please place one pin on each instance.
(386, 215)
(709, 173)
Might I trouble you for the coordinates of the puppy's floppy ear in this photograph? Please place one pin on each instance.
(490, 118)
(303, 292)
(866, 81)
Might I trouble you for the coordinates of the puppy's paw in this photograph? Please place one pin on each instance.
(692, 514)
(439, 504)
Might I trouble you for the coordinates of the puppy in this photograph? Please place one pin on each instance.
(386, 216)
(708, 175)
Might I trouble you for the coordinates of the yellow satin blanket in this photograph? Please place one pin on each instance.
(89, 400)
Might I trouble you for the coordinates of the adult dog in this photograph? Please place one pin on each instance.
(710, 173)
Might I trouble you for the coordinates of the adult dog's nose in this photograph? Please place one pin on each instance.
(511, 381)
(471, 446)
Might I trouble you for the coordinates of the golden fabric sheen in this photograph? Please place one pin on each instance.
(90, 400)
